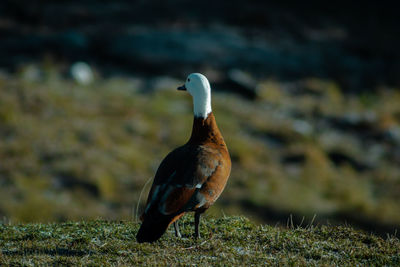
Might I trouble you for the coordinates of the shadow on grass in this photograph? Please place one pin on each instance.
(274, 216)
(51, 252)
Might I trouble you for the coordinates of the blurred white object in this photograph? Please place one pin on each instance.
(82, 73)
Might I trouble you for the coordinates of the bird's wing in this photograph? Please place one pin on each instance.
(166, 170)
(179, 178)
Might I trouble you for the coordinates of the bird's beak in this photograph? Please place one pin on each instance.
(182, 88)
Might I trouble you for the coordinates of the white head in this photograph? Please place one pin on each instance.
(199, 87)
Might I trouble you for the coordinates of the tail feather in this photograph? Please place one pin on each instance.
(152, 229)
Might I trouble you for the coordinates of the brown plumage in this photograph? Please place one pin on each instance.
(190, 178)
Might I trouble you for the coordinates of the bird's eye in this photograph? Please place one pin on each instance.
(188, 80)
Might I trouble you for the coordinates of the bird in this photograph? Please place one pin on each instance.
(191, 177)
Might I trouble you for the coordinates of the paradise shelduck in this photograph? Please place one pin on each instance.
(191, 177)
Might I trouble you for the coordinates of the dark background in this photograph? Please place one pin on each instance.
(353, 43)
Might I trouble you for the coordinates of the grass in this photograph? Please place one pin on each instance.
(229, 241)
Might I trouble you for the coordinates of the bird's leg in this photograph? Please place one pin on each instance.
(176, 227)
(196, 225)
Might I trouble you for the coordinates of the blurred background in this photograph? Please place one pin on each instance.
(306, 95)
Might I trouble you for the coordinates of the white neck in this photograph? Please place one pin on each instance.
(202, 104)
(199, 87)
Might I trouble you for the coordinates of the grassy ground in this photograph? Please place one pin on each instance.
(225, 242)
(300, 148)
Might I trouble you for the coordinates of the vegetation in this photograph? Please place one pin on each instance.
(70, 151)
(226, 242)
